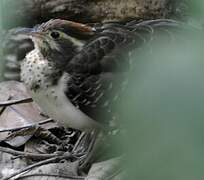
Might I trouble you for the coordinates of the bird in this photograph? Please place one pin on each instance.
(77, 72)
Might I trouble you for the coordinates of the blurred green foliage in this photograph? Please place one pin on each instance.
(163, 110)
(196, 7)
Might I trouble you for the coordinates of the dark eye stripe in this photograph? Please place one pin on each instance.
(55, 35)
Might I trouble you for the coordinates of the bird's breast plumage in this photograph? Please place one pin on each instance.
(37, 74)
(36, 71)
(55, 103)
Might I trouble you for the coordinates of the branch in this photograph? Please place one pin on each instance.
(14, 102)
(27, 126)
(52, 175)
(26, 154)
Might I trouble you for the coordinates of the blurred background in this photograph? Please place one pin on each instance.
(27, 13)
(163, 113)
(163, 107)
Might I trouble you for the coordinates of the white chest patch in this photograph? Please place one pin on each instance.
(54, 103)
(51, 98)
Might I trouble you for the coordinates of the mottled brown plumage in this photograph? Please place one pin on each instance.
(78, 72)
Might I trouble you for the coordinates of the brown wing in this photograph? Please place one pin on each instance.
(98, 71)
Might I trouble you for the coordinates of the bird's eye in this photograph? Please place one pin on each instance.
(55, 35)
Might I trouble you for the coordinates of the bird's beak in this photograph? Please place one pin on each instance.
(23, 30)
(30, 32)
(36, 34)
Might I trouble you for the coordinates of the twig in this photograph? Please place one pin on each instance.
(48, 136)
(90, 150)
(52, 175)
(4, 108)
(47, 161)
(26, 154)
(81, 137)
(12, 102)
(27, 126)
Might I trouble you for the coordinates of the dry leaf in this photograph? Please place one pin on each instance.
(17, 115)
(53, 171)
(9, 165)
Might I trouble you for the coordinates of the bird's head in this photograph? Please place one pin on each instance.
(59, 40)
